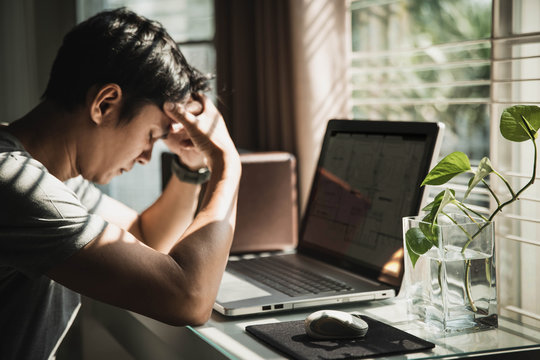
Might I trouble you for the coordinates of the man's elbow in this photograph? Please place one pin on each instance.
(193, 312)
(201, 318)
(194, 317)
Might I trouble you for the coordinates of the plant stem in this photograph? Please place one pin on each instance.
(467, 262)
(490, 219)
(459, 226)
(474, 235)
(439, 273)
(514, 198)
(463, 206)
(488, 269)
(529, 183)
(492, 192)
(506, 183)
(468, 285)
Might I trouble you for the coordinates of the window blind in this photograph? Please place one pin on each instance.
(404, 66)
(462, 63)
(516, 80)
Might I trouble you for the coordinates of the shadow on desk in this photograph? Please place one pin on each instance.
(226, 338)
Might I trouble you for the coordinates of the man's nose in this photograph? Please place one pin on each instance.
(145, 157)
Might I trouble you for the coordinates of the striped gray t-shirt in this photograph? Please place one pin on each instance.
(43, 221)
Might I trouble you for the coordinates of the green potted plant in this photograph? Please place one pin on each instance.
(449, 277)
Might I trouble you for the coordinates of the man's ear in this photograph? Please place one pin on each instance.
(105, 103)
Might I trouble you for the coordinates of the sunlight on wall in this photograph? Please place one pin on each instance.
(319, 30)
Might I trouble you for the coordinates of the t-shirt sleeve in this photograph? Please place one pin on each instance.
(42, 221)
(88, 194)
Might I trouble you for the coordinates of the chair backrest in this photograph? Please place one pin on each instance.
(267, 217)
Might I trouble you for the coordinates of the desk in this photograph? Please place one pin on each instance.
(224, 338)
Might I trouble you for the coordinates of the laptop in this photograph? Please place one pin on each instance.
(350, 246)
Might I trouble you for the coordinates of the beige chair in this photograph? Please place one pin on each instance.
(267, 218)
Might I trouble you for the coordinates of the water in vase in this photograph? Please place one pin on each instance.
(452, 291)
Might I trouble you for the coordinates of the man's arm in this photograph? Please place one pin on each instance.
(178, 287)
(161, 224)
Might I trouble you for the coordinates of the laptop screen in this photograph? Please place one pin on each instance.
(368, 178)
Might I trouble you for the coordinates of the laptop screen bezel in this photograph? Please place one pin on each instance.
(432, 133)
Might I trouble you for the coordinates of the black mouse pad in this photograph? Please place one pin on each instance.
(381, 339)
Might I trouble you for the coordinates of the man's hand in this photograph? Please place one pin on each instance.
(179, 142)
(204, 133)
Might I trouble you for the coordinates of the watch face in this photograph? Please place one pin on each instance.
(184, 174)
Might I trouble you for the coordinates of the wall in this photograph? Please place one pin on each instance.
(31, 31)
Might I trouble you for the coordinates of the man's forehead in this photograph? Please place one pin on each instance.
(166, 125)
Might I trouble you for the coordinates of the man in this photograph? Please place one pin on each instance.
(118, 84)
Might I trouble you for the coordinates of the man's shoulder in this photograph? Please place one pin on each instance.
(30, 190)
(18, 170)
(14, 158)
(9, 143)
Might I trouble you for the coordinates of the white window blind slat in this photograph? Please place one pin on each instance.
(425, 101)
(452, 47)
(511, 216)
(419, 68)
(520, 311)
(520, 239)
(511, 174)
(528, 198)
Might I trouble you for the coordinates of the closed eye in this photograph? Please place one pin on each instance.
(163, 136)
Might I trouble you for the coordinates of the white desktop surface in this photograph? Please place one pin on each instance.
(225, 338)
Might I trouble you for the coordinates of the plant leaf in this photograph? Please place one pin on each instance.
(484, 169)
(429, 206)
(454, 164)
(416, 243)
(412, 255)
(442, 199)
(430, 230)
(434, 206)
(449, 197)
(512, 125)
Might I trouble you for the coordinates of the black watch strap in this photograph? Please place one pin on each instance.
(190, 176)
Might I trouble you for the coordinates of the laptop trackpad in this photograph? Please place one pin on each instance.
(233, 288)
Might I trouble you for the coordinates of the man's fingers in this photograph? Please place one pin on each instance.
(176, 127)
(183, 120)
(195, 107)
(179, 114)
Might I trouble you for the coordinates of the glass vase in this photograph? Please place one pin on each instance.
(452, 286)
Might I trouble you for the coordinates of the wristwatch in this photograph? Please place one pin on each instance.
(190, 176)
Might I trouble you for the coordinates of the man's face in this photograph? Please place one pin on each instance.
(118, 148)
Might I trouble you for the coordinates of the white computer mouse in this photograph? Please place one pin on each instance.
(333, 324)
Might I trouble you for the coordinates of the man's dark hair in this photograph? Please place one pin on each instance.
(121, 47)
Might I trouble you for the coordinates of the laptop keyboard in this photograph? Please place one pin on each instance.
(286, 277)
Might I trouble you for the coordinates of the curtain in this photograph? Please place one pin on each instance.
(254, 82)
(282, 74)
